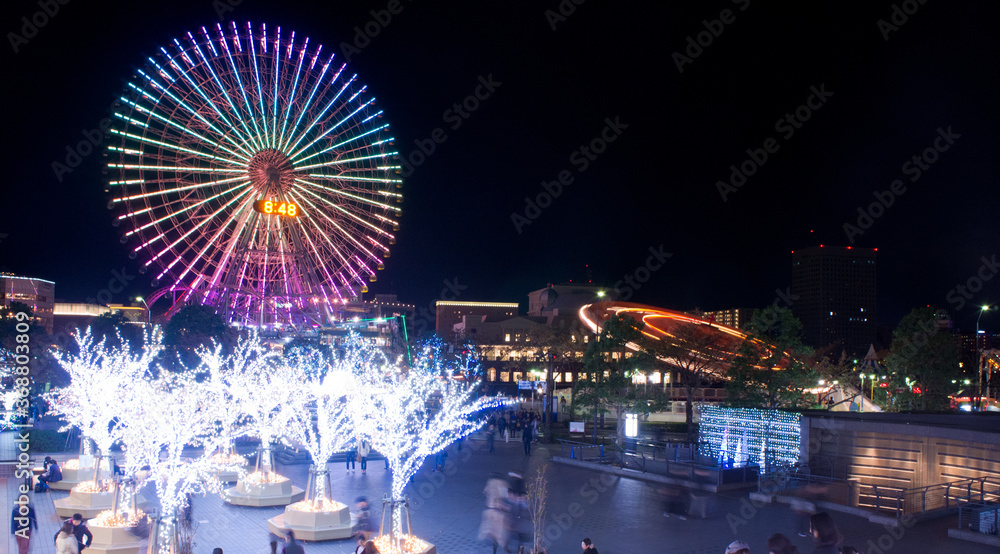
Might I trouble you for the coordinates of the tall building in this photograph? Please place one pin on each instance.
(733, 317)
(37, 294)
(833, 295)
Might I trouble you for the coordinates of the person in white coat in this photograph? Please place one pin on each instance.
(66, 540)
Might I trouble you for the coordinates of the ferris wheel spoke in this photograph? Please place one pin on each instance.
(174, 147)
(295, 85)
(348, 141)
(340, 208)
(194, 113)
(332, 129)
(319, 117)
(347, 194)
(139, 107)
(325, 232)
(195, 228)
(320, 257)
(185, 75)
(306, 107)
(349, 236)
(236, 74)
(208, 65)
(163, 192)
(187, 209)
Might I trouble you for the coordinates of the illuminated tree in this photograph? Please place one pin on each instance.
(408, 415)
(263, 391)
(101, 377)
(324, 427)
(179, 411)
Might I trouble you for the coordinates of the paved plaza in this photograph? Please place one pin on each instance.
(621, 515)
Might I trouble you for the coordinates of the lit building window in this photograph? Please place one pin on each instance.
(492, 374)
(506, 337)
(505, 376)
(569, 377)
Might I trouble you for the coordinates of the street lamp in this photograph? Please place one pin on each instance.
(149, 320)
(979, 362)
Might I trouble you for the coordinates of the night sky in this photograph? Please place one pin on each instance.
(880, 103)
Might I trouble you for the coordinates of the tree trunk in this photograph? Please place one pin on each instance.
(550, 384)
(689, 413)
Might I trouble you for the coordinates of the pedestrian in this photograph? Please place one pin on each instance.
(274, 545)
(826, 537)
(364, 449)
(779, 544)
(352, 454)
(359, 543)
(526, 438)
(490, 432)
(364, 526)
(80, 530)
(439, 457)
(52, 474)
(370, 548)
(502, 427)
(534, 429)
(292, 546)
(65, 541)
(738, 547)
(588, 546)
(217, 550)
(22, 521)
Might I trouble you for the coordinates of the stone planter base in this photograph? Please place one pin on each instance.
(71, 478)
(312, 526)
(281, 493)
(88, 504)
(113, 540)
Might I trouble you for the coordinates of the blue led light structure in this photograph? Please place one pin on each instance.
(742, 436)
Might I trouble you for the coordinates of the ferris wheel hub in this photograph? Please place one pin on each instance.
(271, 171)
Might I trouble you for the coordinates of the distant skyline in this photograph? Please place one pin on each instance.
(725, 135)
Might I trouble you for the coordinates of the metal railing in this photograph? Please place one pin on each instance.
(896, 501)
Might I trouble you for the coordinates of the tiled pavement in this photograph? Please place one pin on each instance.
(621, 515)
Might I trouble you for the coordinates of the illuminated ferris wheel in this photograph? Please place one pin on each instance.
(254, 173)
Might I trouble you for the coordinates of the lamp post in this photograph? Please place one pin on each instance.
(149, 316)
(597, 326)
(979, 363)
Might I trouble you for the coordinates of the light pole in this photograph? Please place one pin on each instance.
(149, 316)
(979, 363)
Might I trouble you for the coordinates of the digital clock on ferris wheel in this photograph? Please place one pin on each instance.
(274, 207)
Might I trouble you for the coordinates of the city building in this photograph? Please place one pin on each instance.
(37, 294)
(834, 294)
(733, 317)
(449, 313)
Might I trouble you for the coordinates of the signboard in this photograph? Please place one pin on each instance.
(525, 385)
(576, 427)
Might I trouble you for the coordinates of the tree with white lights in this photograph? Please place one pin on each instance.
(264, 392)
(178, 411)
(98, 395)
(324, 427)
(410, 414)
